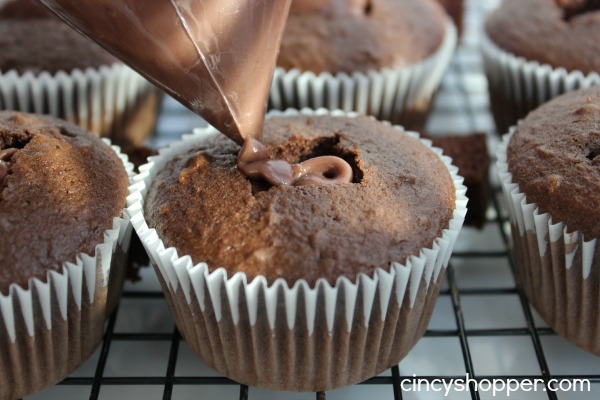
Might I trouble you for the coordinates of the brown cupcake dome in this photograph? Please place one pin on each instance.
(533, 52)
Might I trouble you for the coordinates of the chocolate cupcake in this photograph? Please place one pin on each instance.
(383, 58)
(550, 168)
(274, 283)
(48, 68)
(63, 240)
(535, 50)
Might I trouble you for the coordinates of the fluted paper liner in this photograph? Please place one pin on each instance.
(558, 267)
(518, 86)
(399, 95)
(51, 327)
(96, 99)
(298, 338)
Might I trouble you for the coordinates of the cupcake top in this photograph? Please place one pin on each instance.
(360, 35)
(60, 188)
(554, 156)
(401, 199)
(32, 39)
(562, 33)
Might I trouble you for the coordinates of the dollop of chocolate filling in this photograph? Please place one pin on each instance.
(5, 158)
(254, 161)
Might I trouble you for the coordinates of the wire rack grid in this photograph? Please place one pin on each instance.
(482, 325)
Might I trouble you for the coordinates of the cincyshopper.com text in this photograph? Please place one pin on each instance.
(497, 386)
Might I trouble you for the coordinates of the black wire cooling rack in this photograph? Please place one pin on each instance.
(482, 326)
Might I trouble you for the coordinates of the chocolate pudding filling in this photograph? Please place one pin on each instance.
(328, 147)
(254, 161)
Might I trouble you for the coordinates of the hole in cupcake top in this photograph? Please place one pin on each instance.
(593, 153)
(368, 7)
(5, 162)
(14, 141)
(10, 144)
(573, 8)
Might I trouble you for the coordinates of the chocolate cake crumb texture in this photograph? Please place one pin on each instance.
(61, 187)
(389, 34)
(562, 33)
(554, 156)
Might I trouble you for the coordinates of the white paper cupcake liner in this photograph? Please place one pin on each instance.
(518, 86)
(49, 328)
(399, 95)
(558, 267)
(96, 99)
(298, 338)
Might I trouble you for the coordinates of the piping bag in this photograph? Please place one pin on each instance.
(216, 57)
